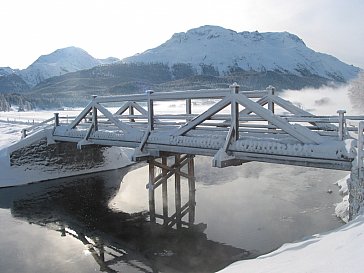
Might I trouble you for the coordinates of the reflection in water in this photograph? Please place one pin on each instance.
(118, 241)
(256, 206)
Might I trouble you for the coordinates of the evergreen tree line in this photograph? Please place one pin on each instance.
(9, 100)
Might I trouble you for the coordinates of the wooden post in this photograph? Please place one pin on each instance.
(178, 192)
(271, 91)
(131, 113)
(192, 190)
(188, 108)
(63, 231)
(234, 112)
(151, 190)
(94, 116)
(150, 110)
(165, 192)
(23, 133)
(342, 124)
(56, 119)
(361, 150)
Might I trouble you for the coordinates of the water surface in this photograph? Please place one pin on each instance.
(96, 223)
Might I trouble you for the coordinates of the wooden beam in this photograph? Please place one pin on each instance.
(165, 191)
(305, 136)
(298, 111)
(151, 190)
(202, 117)
(123, 108)
(81, 116)
(122, 126)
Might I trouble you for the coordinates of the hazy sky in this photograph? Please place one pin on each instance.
(121, 28)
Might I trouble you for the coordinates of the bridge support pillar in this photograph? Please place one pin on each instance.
(161, 172)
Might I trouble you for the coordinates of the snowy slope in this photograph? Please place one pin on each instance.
(338, 251)
(223, 49)
(60, 62)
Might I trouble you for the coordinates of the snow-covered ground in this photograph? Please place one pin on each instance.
(338, 251)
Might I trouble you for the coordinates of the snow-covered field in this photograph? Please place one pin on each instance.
(335, 251)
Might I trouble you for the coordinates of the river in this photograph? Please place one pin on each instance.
(100, 222)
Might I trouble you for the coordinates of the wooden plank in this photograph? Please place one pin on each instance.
(151, 190)
(177, 192)
(179, 95)
(81, 116)
(123, 108)
(202, 117)
(298, 111)
(307, 137)
(139, 108)
(121, 125)
(165, 190)
(192, 190)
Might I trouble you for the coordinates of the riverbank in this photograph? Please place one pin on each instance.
(113, 158)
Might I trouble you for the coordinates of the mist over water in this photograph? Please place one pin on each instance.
(328, 99)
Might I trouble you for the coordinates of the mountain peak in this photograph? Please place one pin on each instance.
(225, 49)
(64, 55)
(59, 62)
(212, 32)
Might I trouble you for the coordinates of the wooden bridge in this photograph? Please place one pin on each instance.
(230, 125)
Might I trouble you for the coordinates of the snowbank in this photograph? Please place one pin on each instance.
(114, 158)
(334, 252)
(342, 209)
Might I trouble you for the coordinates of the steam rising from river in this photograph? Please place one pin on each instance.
(323, 101)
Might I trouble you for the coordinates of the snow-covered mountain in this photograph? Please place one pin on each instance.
(60, 62)
(11, 82)
(228, 50)
(5, 71)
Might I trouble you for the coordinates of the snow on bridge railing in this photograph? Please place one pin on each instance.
(179, 95)
(142, 112)
(38, 127)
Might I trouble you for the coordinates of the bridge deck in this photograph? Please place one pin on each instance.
(231, 126)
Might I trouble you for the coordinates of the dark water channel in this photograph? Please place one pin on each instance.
(94, 223)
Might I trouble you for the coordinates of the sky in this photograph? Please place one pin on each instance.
(121, 28)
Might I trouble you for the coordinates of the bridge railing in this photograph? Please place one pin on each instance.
(49, 123)
(216, 111)
(247, 122)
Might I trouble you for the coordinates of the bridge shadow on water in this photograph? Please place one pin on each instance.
(78, 208)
